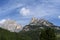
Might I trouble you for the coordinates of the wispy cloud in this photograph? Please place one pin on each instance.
(44, 8)
(39, 7)
(2, 10)
(30, 8)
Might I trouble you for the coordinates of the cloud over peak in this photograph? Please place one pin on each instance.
(24, 11)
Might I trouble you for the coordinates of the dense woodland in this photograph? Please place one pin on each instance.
(39, 34)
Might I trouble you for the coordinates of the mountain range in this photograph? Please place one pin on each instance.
(39, 24)
(11, 30)
(34, 24)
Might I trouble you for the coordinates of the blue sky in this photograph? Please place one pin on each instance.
(23, 10)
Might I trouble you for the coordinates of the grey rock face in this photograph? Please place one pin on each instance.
(11, 25)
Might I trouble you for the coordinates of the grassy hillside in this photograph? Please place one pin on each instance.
(7, 35)
(58, 37)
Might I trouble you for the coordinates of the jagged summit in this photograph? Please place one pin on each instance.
(36, 23)
(34, 20)
(41, 21)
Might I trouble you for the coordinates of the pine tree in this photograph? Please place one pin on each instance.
(48, 34)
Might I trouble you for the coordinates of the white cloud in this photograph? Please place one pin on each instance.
(59, 17)
(45, 9)
(2, 21)
(25, 11)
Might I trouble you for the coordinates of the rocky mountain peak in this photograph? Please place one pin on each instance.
(11, 25)
(33, 20)
(36, 21)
